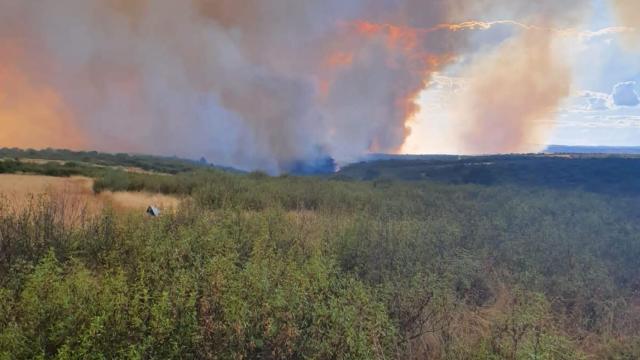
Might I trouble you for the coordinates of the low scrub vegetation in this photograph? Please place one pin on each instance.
(171, 165)
(610, 174)
(252, 267)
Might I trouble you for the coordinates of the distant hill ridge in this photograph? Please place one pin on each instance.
(161, 164)
(593, 149)
(610, 173)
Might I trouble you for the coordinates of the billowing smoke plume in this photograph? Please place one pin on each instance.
(191, 78)
(33, 117)
(628, 11)
(249, 83)
(512, 96)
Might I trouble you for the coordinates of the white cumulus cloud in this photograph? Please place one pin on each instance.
(624, 94)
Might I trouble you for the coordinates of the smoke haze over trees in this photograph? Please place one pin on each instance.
(262, 85)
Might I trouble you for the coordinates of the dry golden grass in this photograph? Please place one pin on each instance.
(139, 200)
(20, 190)
(20, 187)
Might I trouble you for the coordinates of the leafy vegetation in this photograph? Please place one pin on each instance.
(611, 174)
(11, 166)
(253, 266)
(169, 165)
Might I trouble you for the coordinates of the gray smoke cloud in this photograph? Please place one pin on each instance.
(628, 13)
(248, 83)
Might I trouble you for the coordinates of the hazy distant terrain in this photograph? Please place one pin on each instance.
(593, 149)
(601, 173)
(495, 257)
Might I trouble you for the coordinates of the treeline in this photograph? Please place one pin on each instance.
(11, 166)
(286, 268)
(608, 174)
(108, 178)
(169, 165)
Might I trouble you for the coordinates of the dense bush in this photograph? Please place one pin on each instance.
(178, 288)
(260, 267)
(609, 174)
(171, 165)
(48, 169)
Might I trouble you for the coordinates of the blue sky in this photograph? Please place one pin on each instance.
(603, 108)
(604, 65)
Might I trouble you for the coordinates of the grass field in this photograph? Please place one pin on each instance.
(22, 189)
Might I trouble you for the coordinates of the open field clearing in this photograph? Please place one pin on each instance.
(20, 190)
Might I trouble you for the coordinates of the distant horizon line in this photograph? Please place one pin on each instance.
(552, 148)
